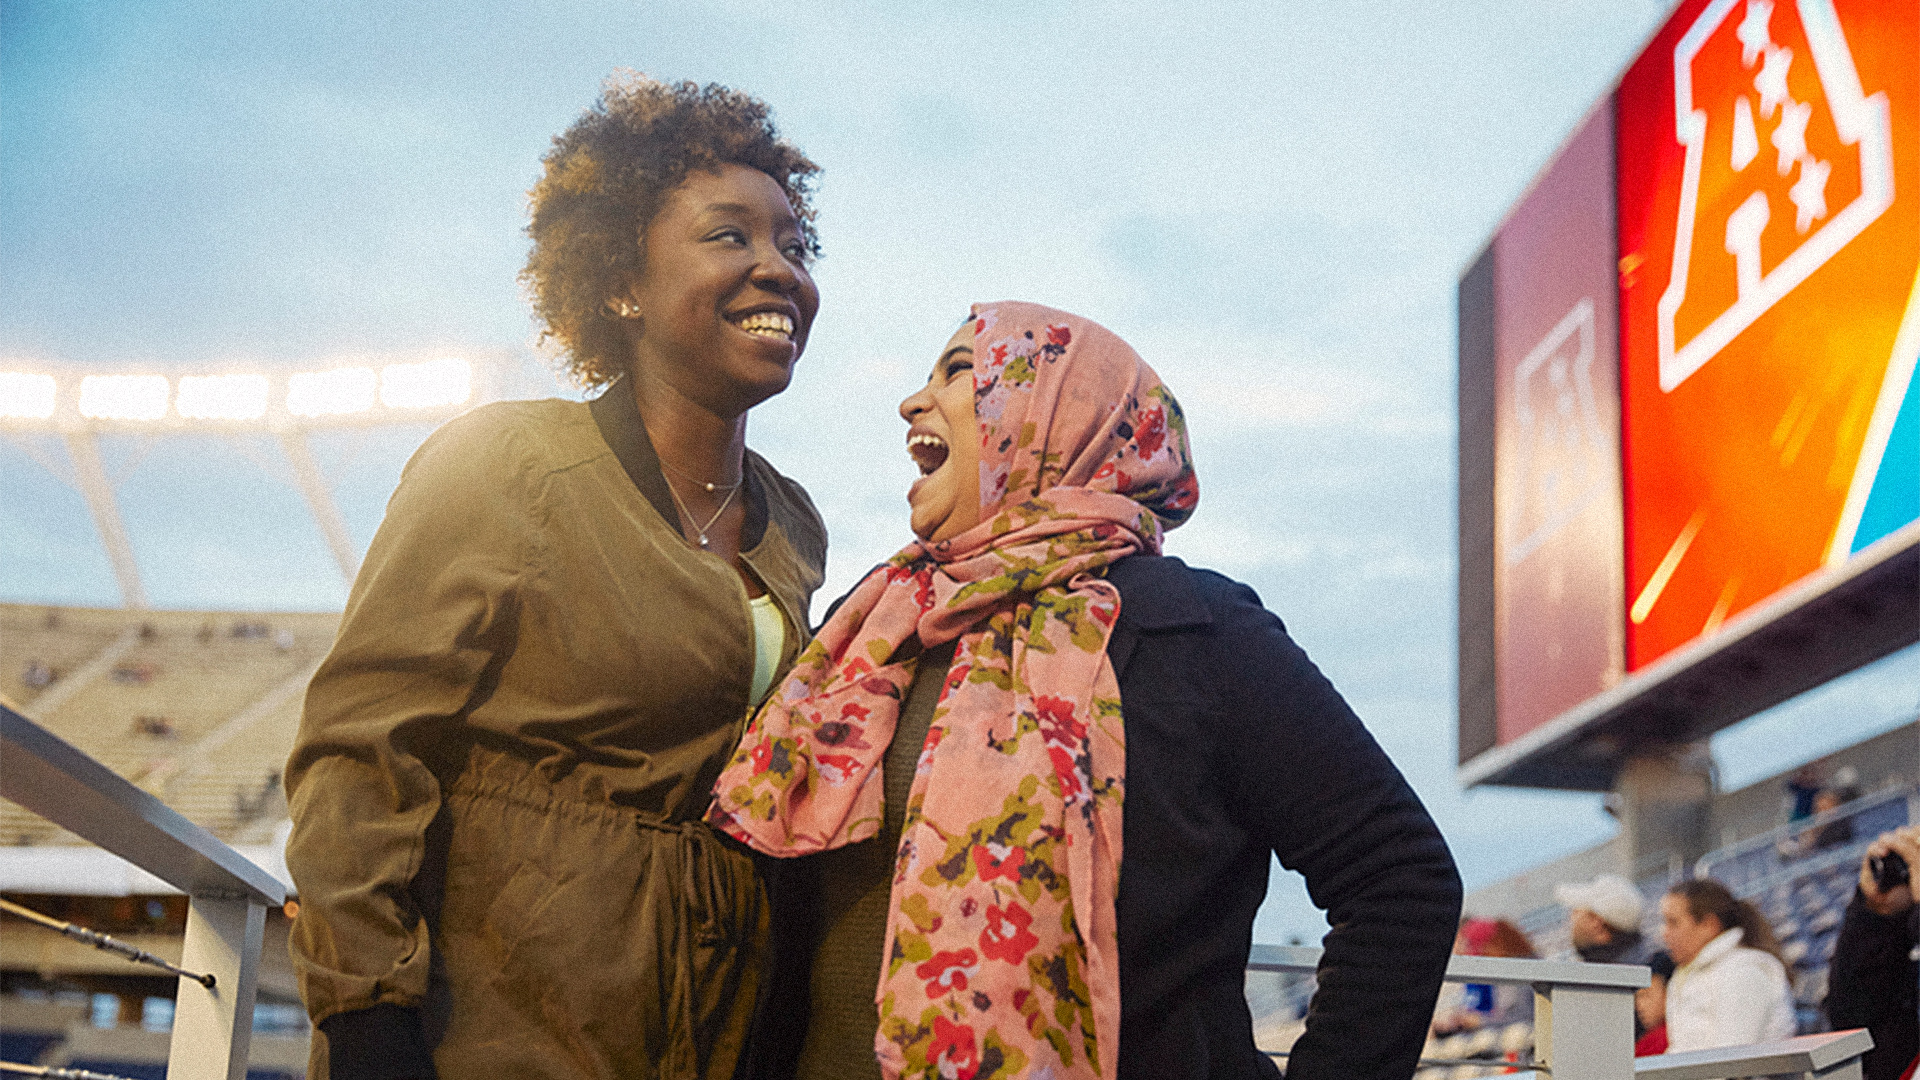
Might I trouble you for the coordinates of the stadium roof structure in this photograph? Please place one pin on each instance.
(78, 406)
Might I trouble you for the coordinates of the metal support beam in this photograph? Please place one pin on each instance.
(313, 487)
(91, 476)
(48, 776)
(213, 1027)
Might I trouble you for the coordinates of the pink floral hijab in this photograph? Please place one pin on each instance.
(1001, 953)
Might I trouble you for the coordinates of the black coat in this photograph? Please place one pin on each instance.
(1238, 749)
(1871, 984)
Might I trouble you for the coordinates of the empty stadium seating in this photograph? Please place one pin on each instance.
(199, 708)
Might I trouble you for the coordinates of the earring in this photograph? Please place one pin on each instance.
(622, 309)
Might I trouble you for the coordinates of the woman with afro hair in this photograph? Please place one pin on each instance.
(556, 638)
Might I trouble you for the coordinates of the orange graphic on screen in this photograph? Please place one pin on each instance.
(1769, 218)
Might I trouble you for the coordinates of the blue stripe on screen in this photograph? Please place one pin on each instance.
(1894, 500)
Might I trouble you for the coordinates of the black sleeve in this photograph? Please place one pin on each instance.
(1321, 793)
(1870, 984)
(384, 1042)
(785, 1001)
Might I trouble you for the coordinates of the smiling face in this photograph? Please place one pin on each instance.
(724, 302)
(943, 438)
(1685, 935)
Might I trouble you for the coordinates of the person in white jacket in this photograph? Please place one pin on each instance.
(1729, 988)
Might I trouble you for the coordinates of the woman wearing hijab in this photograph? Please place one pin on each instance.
(556, 638)
(952, 751)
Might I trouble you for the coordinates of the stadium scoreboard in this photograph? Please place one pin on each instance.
(1689, 427)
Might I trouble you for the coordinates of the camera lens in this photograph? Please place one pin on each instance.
(1889, 871)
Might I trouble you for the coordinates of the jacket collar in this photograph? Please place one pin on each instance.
(1717, 948)
(1156, 593)
(617, 415)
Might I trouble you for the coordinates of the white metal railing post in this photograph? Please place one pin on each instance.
(1583, 1013)
(213, 1027)
(1583, 1032)
(228, 896)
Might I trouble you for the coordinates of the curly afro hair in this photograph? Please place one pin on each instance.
(606, 177)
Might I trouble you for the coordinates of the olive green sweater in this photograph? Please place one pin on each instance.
(855, 886)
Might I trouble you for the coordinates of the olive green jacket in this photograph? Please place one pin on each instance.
(502, 766)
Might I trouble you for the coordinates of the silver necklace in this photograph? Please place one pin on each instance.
(724, 503)
(711, 487)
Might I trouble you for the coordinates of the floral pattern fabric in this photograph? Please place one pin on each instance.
(1001, 953)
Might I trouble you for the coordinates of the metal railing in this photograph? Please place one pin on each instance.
(1834, 1055)
(228, 896)
(1789, 850)
(1583, 1024)
(1582, 1013)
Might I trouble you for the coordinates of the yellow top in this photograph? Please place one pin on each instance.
(769, 641)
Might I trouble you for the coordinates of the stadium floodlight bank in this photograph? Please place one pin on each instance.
(63, 399)
(79, 406)
(1689, 424)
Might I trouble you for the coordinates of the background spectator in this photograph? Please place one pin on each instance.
(1471, 1006)
(1650, 1007)
(1873, 980)
(1604, 915)
(1834, 833)
(1831, 835)
(1730, 987)
(1802, 786)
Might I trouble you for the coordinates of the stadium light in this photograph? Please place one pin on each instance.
(222, 397)
(332, 393)
(26, 397)
(124, 397)
(434, 383)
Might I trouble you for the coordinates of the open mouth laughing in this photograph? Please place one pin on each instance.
(929, 452)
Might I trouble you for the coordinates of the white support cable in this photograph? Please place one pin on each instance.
(104, 942)
(313, 487)
(55, 1072)
(94, 486)
(228, 896)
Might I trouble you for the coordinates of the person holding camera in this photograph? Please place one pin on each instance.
(1872, 982)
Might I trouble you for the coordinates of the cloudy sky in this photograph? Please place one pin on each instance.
(1271, 201)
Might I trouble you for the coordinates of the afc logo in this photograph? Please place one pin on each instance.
(1562, 450)
(1787, 160)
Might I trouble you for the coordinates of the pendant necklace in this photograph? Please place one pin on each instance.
(732, 490)
(711, 487)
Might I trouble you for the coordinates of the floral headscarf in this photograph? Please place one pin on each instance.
(1001, 956)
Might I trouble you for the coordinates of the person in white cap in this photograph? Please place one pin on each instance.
(1605, 914)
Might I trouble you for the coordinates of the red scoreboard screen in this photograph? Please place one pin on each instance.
(1689, 351)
